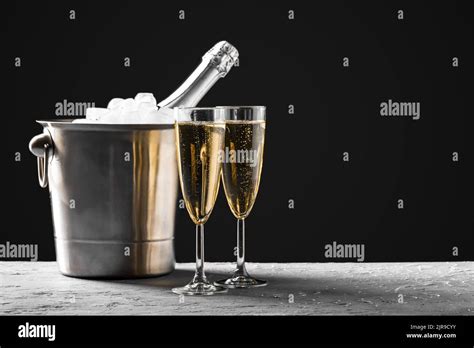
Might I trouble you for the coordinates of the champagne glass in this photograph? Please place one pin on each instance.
(199, 140)
(241, 171)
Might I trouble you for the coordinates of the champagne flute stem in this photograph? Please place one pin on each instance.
(200, 276)
(241, 271)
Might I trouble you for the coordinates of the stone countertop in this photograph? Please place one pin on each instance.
(428, 288)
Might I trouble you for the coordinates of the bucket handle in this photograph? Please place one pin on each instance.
(41, 146)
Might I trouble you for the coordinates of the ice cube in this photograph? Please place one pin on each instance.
(139, 110)
(95, 114)
(129, 116)
(115, 103)
(146, 106)
(161, 116)
(128, 104)
(112, 117)
(150, 117)
(145, 97)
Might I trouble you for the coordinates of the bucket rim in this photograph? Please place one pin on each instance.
(66, 123)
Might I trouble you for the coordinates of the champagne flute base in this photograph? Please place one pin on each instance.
(200, 288)
(241, 282)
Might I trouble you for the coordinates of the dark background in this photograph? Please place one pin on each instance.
(282, 62)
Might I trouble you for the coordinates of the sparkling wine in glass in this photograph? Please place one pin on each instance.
(200, 141)
(242, 162)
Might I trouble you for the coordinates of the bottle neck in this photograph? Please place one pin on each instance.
(193, 89)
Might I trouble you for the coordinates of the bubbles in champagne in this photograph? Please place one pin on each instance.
(242, 164)
(199, 145)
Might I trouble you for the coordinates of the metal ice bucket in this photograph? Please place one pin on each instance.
(113, 195)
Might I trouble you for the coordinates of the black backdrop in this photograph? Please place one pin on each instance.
(283, 62)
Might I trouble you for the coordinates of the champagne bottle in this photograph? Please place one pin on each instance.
(216, 63)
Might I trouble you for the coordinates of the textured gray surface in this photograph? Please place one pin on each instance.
(316, 288)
